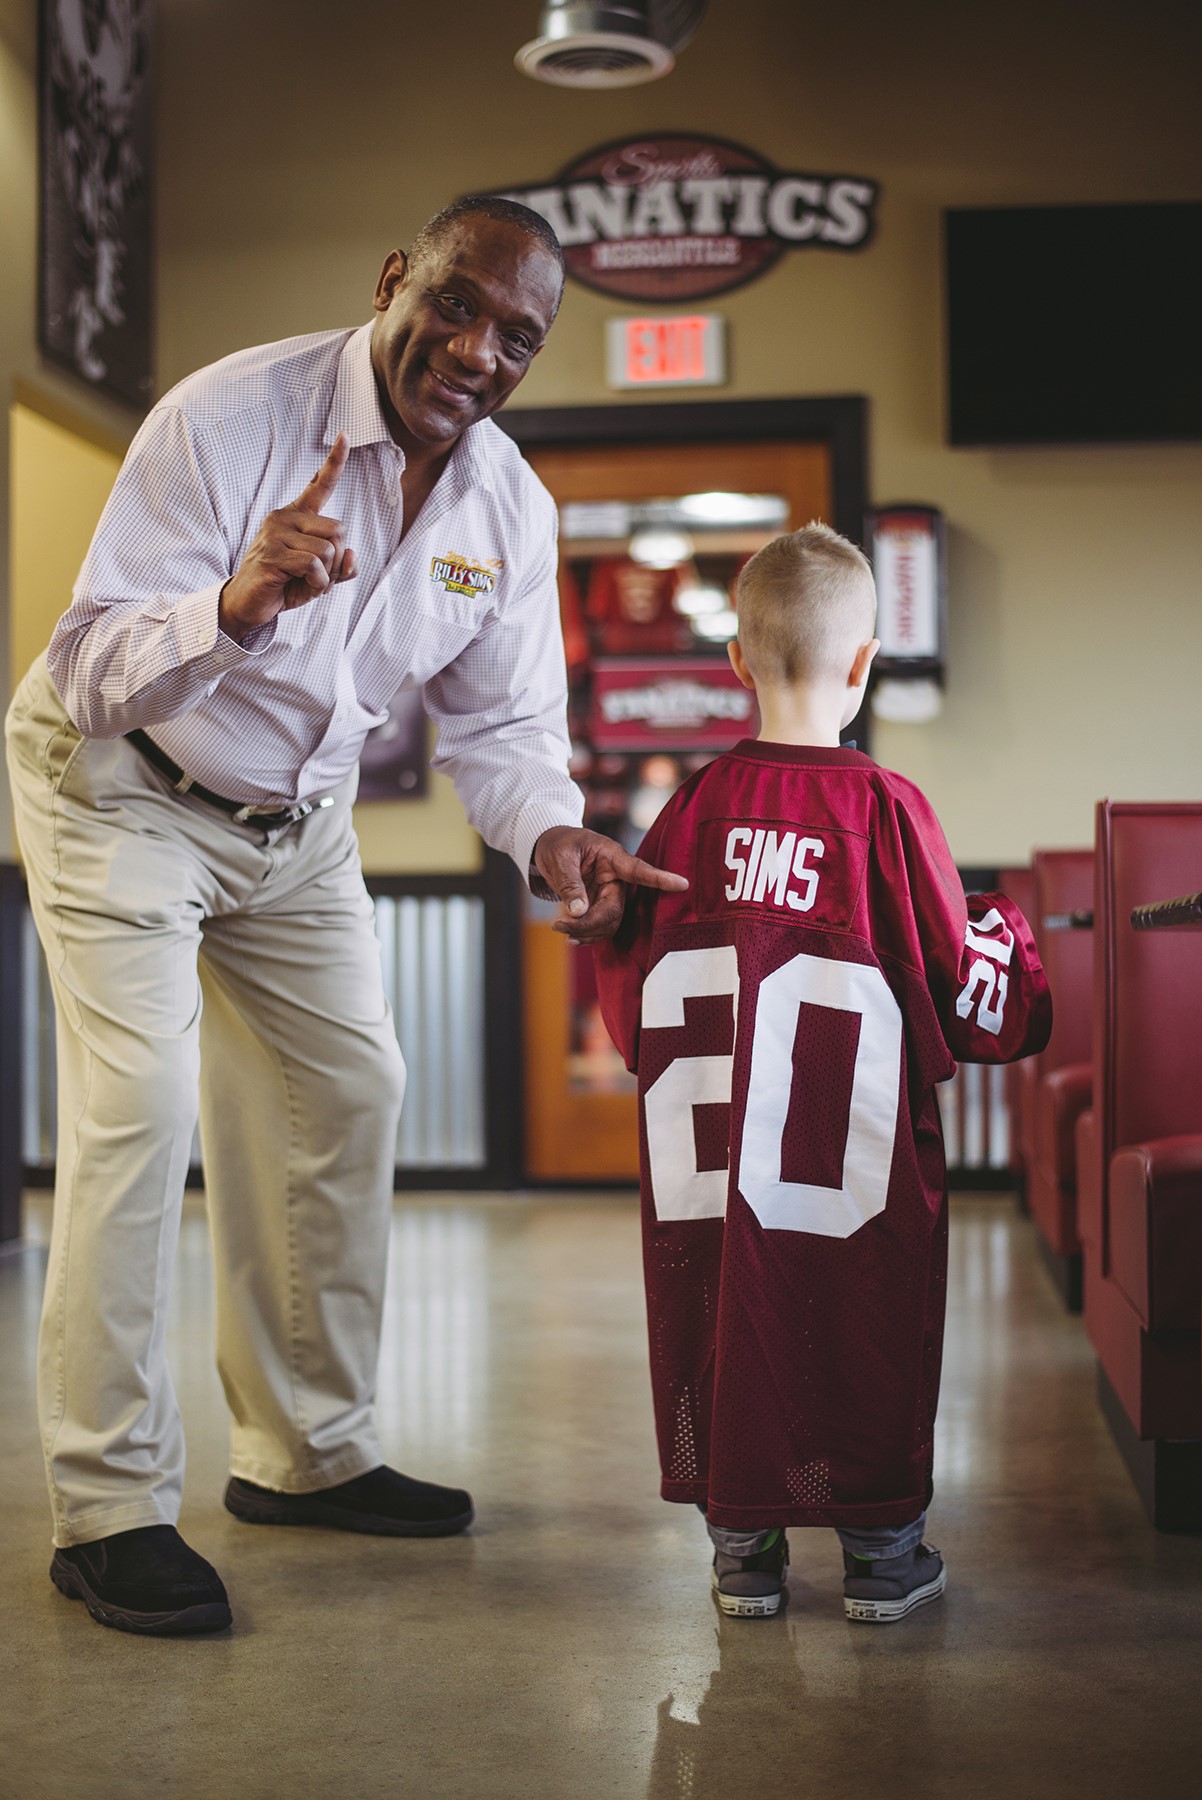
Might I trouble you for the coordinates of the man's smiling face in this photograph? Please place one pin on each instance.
(458, 327)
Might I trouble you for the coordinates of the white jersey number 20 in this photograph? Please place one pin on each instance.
(988, 981)
(683, 1191)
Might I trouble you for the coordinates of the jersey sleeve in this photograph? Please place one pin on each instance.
(982, 967)
(622, 961)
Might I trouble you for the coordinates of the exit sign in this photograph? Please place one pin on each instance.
(680, 350)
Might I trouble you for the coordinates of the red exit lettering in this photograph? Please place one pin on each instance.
(665, 349)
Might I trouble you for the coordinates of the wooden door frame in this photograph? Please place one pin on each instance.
(840, 421)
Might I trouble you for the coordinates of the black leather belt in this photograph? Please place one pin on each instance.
(262, 818)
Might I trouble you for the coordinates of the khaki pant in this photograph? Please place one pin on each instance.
(198, 963)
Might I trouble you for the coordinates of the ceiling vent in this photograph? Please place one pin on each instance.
(608, 43)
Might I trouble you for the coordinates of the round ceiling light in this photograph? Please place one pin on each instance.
(716, 508)
(697, 600)
(661, 549)
(720, 626)
(608, 43)
(594, 59)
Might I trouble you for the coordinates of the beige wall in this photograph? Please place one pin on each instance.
(1076, 634)
(22, 371)
(58, 486)
(430, 836)
(297, 144)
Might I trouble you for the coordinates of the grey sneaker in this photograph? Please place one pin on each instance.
(888, 1588)
(752, 1587)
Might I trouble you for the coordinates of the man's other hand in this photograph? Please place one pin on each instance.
(588, 874)
(297, 554)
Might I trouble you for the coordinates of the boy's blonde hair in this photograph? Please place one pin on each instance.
(806, 603)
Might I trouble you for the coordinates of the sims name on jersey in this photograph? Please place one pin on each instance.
(773, 866)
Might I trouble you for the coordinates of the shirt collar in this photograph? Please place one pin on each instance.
(819, 756)
(355, 409)
(475, 453)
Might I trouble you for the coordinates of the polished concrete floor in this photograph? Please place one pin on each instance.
(569, 1645)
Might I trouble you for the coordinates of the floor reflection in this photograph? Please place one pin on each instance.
(797, 1706)
(569, 1644)
(434, 1366)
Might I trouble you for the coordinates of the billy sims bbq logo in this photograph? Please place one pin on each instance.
(460, 575)
(672, 217)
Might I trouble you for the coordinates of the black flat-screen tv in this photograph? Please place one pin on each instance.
(1074, 324)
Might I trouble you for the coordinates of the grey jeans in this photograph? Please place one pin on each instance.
(874, 1544)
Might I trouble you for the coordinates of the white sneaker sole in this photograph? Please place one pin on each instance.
(747, 1606)
(887, 1612)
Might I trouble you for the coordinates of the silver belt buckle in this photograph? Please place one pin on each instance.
(300, 810)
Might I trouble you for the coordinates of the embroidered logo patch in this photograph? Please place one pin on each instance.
(463, 575)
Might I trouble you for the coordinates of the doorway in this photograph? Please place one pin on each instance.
(659, 508)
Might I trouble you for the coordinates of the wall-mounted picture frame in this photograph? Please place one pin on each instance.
(95, 259)
(394, 762)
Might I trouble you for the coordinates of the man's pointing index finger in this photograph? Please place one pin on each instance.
(325, 481)
(644, 874)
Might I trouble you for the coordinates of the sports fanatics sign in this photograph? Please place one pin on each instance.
(679, 217)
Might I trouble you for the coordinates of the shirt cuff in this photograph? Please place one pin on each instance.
(534, 819)
(201, 639)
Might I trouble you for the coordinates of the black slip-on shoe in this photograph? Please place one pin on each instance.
(147, 1580)
(382, 1502)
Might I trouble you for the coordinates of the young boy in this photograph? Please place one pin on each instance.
(788, 1018)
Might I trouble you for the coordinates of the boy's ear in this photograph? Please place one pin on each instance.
(738, 663)
(862, 662)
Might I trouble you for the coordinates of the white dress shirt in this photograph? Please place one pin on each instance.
(282, 716)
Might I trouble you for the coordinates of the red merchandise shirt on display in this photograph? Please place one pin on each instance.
(789, 1018)
(631, 607)
(571, 618)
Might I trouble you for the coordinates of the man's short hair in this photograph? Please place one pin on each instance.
(806, 603)
(444, 224)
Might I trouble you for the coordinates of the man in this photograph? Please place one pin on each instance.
(183, 770)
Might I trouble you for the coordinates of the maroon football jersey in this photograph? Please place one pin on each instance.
(788, 1018)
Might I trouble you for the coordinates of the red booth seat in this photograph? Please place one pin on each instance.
(1139, 1157)
(1154, 1372)
(1062, 1075)
(1156, 1230)
(1018, 884)
(1026, 1081)
(1063, 1095)
(1088, 1147)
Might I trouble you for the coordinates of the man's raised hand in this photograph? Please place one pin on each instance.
(297, 554)
(589, 874)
